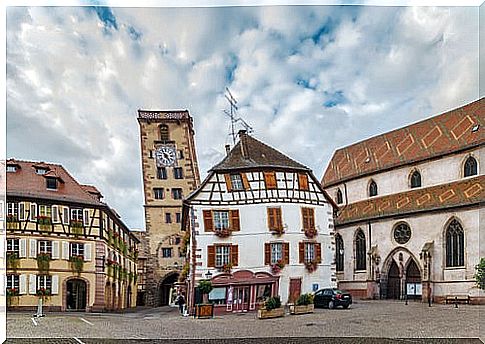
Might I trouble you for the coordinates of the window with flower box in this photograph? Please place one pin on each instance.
(220, 256)
(44, 282)
(223, 255)
(310, 252)
(221, 221)
(77, 249)
(276, 252)
(13, 282)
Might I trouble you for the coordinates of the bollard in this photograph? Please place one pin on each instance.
(456, 302)
(429, 301)
(406, 297)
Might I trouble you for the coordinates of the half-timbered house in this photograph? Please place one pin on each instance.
(64, 244)
(261, 226)
(410, 205)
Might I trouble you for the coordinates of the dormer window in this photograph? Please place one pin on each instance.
(236, 182)
(40, 170)
(51, 183)
(11, 168)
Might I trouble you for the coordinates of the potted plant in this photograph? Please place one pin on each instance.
(271, 308)
(311, 265)
(277, 267)
(226, 267)
(311, 232)
(304, 304)
(43, 293)
(77, 264)
(205, 287)
(222, 232)
(43, 262)
(44, 223)
(13, 260)
(77, 227)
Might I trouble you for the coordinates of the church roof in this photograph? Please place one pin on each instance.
(251, 153)
(455, 130)
(464, 192)
(25, 182)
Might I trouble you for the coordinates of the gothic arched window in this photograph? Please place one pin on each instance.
(455, 248)
(471, 167)
(339, 254)
(164, 135)
(415, 179)
(340, 199)
(372, 188)
(360, 251)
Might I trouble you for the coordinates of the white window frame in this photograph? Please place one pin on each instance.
(309, 252)
(44, 246)
(13, 281)
(76, 249)
(11, 168)
(77, 215)
(44, 281)
(223, 255)
(45, 210)
(13, 245)
(221, 219)
(276, 252)
(13, 209)
(236, 182)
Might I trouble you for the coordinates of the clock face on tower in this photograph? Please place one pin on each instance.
(165, 156)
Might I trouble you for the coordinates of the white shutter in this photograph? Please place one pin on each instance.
(21, 211)
(33, 211)
(55, 285)
(23, 248)
(55, 214)
(65, 250)
(65, 215)
(55, 250)
(32, 284)
(87, 252)
(23, 284)
(86, 217)
(33, 248)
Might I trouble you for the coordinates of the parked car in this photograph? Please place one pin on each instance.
(332, 298)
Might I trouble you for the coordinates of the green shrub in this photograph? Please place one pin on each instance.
(205, 286)
(480, 275)
(272, 303)
(305, 299)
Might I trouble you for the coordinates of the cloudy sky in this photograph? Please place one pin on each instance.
(308, 80)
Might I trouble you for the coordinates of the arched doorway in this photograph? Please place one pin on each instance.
(394, 282)
(413, 280)
(164, 288)
(76, 295)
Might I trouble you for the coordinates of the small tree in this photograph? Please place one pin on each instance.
(205, 287)
(480, 275)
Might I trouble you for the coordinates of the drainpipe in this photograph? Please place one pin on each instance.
(193, 252)
(371, 265)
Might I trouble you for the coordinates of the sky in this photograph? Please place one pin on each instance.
(308, 79)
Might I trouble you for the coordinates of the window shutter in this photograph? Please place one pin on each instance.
(32, 248)
(211, 256)
(311, 217)
(245, 181)
(278, 218)
(32, 284)
(304, 216)
(235, 226)
(65, 250)
(86, 217)
(301, 252)
(87, 252)
(286, 252)
(318, 252)
(270, 180)
(55, 285)
(227, 177)
(33, 211)
(234, 255)
(23, 284)
(21, 211)
(271, 220)
(55, 250)
(23, 248)
(65, 216)
(302, 181)
(208, 223)
(55, 214)
(267, 253)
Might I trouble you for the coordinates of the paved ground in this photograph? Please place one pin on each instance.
(371, 319)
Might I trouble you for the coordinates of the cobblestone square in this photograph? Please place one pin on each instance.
(372, 319)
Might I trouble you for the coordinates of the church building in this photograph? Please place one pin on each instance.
(410, 202)
(261, 226)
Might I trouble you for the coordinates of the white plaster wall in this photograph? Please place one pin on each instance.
(254, 234)
(434, 172)
(425, 228)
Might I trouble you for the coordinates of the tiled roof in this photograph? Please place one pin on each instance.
(460, 193)
(26, 183)
(251, 153)
(430, 138)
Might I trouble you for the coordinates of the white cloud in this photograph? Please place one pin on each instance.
(308, 79)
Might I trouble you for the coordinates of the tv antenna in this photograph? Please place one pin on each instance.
(232, 114)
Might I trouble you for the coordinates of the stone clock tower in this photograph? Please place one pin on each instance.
(170, 173)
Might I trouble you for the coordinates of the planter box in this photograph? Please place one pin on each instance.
(302, 309)
(274, 313)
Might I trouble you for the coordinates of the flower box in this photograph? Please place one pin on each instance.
(13, 260)
(311, 266)
(43, 262)
(311, 232)
(77, 264)
(222, 233)
(278, 232)
(303, 309)
(274, 313)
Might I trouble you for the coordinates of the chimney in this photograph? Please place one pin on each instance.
(242, 140)
(228, 149)
(241, 133)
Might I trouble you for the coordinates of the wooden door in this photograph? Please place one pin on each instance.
(295, 289)
(394, 282)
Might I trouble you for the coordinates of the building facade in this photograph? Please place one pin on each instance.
(261, 226)
(170, 173)
(410, 204)
(64, 244)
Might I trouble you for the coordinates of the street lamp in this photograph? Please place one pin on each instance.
(208, 274)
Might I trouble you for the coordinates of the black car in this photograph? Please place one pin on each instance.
(332, 298)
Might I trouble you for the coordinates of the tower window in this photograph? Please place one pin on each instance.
(415, 180)
(471, 167)
(161, 173)
(178, 173)
(340, 199)
(372, 189)
(158, 193)
(177, 193)
(164, 134)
